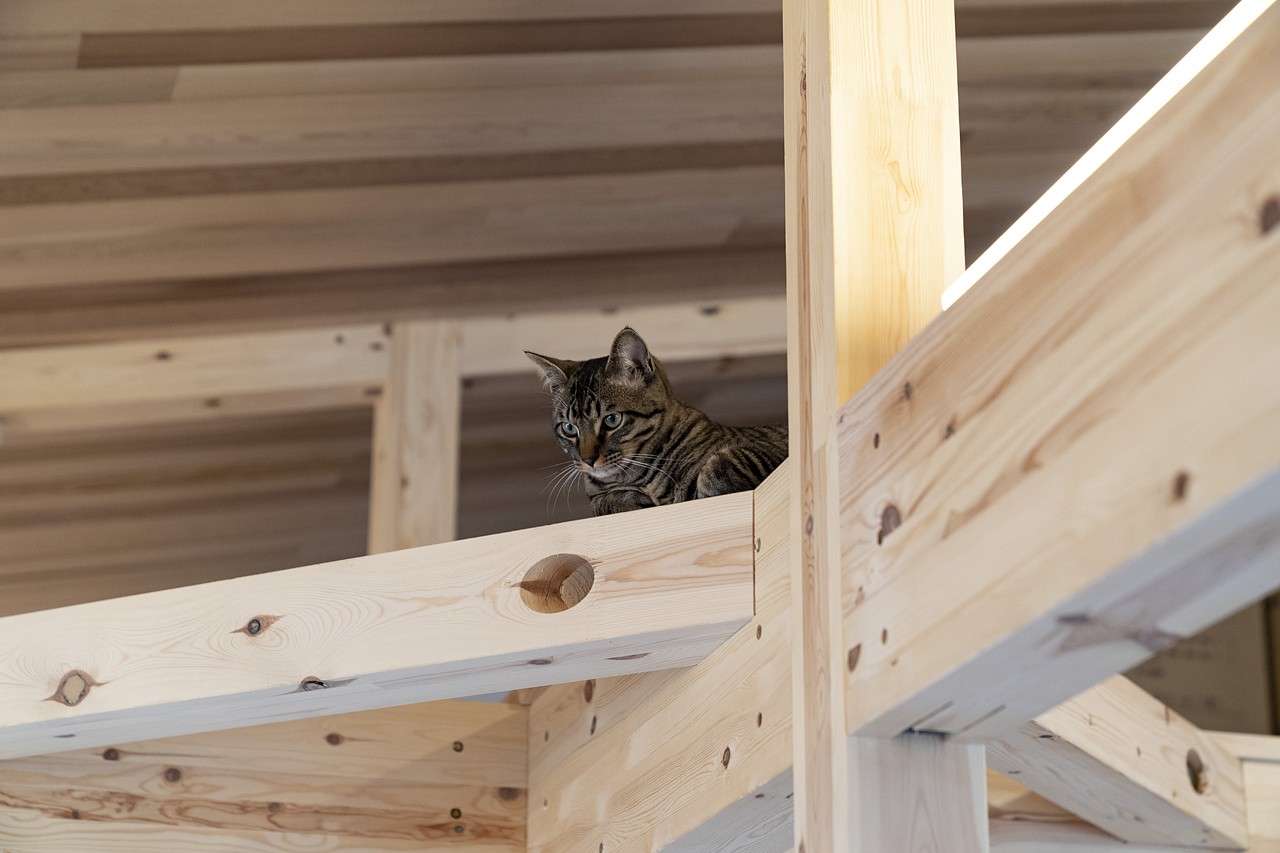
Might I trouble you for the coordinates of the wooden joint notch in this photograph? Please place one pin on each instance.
(627, 593)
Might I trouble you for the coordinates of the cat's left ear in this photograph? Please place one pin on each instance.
(555, 371)
(629, 360)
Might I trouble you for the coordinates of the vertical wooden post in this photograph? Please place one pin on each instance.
(874, 235)
(413, 496)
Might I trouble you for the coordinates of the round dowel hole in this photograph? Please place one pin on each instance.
(556, 583)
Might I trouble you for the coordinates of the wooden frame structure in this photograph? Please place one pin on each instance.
(985, 517)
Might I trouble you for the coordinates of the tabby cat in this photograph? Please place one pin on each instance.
(637, 444)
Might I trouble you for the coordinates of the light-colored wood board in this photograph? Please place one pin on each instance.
(1159, 423)
(1250, 747)
(654, 768)
(413, 491)
(55, 51)
(762, 63)
(28, 831)
(1262, 785)
(413, 744)
(671, 584)
(70, 87)
(367, 125)
(390, 773)
(255, 233)
(760, 823)
(724, 329)
(1091, 56)
(917, 793)
(1118, 758)
(111, 375)
(222, 407)
(22, 17)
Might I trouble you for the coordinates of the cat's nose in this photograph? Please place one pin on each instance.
(590, 460)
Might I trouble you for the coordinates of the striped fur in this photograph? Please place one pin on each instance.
(636, 445)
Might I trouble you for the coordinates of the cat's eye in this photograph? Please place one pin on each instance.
(612, 420)
(569, 429)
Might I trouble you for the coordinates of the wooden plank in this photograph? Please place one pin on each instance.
(68, 87)
(917, 792)
(45, 16)
(358, 634)
(413, 494)
(255, 233)
(26, 831)
(639, 762)
(873, 255)
(55, 49)
(450, 38)
(60, 316)
(367, 125)
(1120, 759)
(957, 441)
(726, 329)
(1262, 784)
(112, 375)
(762, 63)
(393, 773)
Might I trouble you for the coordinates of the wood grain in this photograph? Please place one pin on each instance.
(1157, 425)
(643, 762)
(254, 233)
(413, 491)
(146, 372)
(1118, 758)
(671, 584)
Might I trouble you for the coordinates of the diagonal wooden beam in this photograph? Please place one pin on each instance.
(1120, 759)
(644, 591)
(1075, 465)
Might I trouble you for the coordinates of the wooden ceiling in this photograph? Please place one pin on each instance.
(170, 167)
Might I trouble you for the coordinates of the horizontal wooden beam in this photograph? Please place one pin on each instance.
(642, 763)
(394, 773)
(662, 589)
(138, 382)
(1140, 500)
(1120, 759)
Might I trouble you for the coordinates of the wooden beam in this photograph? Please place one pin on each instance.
(251, 233)
(413, 494)
(874, 221)
(1120, 759)
(640, 763)
(1137, 503)
(394, 773)
(670, 585)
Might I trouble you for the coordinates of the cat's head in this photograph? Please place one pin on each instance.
(603, 410)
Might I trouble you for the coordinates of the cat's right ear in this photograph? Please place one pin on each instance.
(555, 371)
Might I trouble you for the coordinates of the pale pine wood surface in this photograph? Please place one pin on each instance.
(641, 616)
(653, 768)
(413, 493)
(1135, 359)
(1117, 757)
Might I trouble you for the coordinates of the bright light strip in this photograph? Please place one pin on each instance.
(1244, 14)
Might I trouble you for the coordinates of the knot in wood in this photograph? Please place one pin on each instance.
(254, 627)
(172, 774)
(1180, 484)
(334, 739)
(724, 759)
(72, 689)
(455, 813)
(313, 684)
(508, 794)
(457, 746)
(589, 690)
(890, 520)
(1197, 772)
(593, 725)
(111, 754)
(854, 654)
